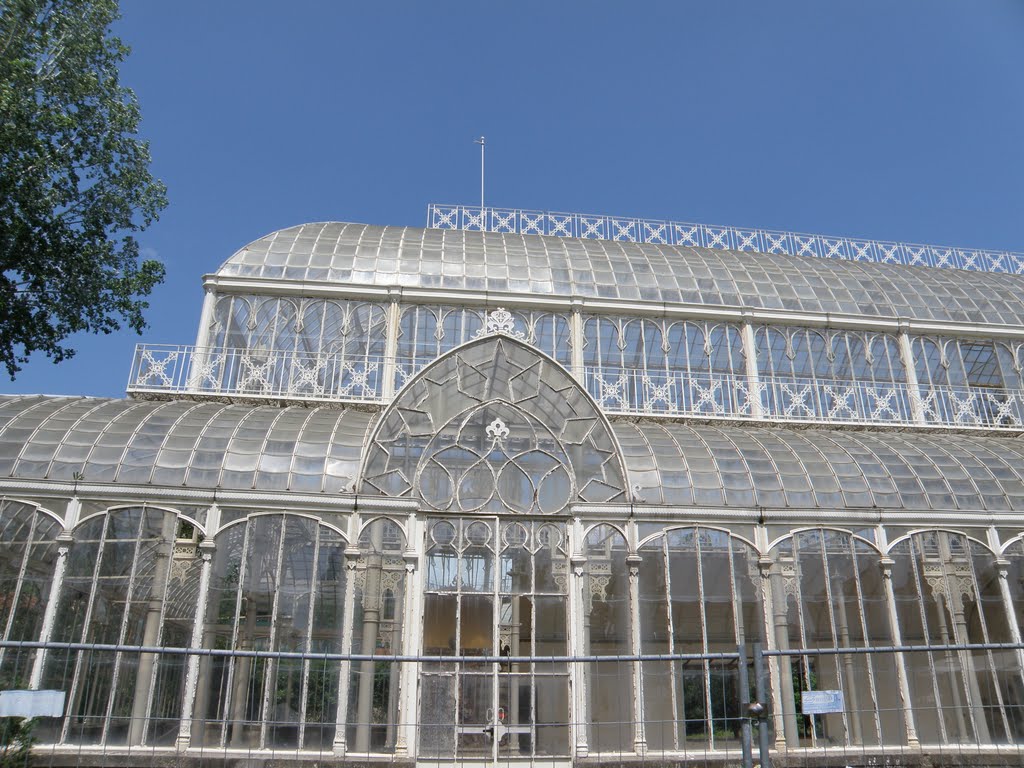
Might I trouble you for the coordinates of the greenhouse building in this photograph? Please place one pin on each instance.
(518, 487)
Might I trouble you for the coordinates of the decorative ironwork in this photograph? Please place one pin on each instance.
(492, 427)
(290, 375)
(500, 321)
(637, 230)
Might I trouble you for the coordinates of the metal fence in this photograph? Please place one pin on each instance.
(728, 708)
(637, 230)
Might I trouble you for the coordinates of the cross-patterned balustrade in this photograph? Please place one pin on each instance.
(254, 373)
(290, 375)
(770, 398)
(636, 230)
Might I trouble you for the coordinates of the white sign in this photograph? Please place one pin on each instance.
(821, 702)
(31, 703)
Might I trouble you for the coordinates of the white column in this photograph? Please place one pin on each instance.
(639, 732)
(201, 352)
(577, 639)
(148, 665)
(576, 337)
(753, 375)
(412, 640)
(773, 584)
(633, 561)
(188, 704)
(50, 614)
(344, 672)
(906, 702)
(390, 368)
(913, 386)
(206, 316)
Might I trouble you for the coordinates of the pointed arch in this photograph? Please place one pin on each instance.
(495, 425)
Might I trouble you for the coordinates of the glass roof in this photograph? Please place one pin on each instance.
(672, 463)
(216, 445)
(362, 254)
(198, 445)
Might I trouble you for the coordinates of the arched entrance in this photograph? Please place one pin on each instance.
(497, 441)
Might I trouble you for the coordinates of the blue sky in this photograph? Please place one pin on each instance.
(897, 121)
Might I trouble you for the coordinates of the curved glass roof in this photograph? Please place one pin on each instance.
(821, 469)
(183, 443)
(216, 445)
(362, 254)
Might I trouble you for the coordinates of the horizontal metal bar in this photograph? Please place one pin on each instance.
(723, 656)
(174, 651)
(896, 649)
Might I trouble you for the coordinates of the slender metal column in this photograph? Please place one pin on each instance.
(371, 624)
(782, 680)
(191, 688)
(639, 733)
(202, 348)
(577, 340)
(352, 555)
(753, 375)
(391, 344)
(145, 674)
(412, 638)
(913, 386)
(1002, 568)
(50, 614)
(579, 644)
(886, 564)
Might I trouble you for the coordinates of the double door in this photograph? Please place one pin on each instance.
(494, 589)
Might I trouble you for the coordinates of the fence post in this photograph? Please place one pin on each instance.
(761, 691)
(745, 714)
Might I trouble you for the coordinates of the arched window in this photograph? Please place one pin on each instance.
(606, 632)
(947, 592)
(699, 593)
(827, 592)
(377, 613)
(27, 558)
(124, 585)
(278, 583)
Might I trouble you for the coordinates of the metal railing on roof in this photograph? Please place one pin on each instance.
(636, 230)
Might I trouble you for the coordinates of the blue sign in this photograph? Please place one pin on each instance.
(821, 702)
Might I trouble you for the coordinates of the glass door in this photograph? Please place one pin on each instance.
(495, 589)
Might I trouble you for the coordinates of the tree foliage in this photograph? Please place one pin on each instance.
(74, 180)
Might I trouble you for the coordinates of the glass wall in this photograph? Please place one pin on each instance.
(495, 589)
(124, 585)
(827, 592)
(278, 583)
(607, 626)
(378, 612)
(302, 347)
(663, 365)
(27, 559)
(501, 587)
(947, 592)
(700, 592)
(427, 332)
